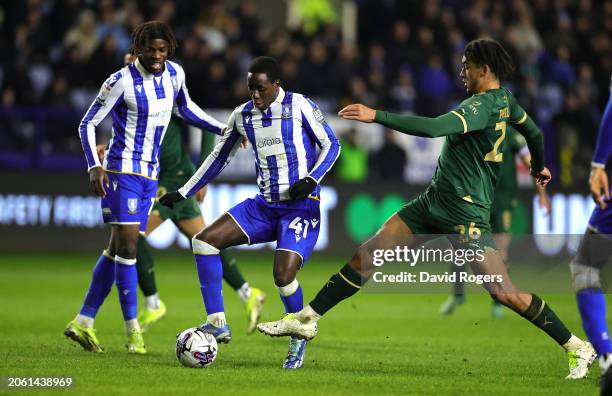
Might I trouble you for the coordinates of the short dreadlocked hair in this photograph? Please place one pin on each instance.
(491, 53)
(150, 31)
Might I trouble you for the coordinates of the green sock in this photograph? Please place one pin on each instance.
(339, 287)
(231, 273)
(144, 267)
(540, 314)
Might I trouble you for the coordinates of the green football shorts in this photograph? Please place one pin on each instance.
(187, 209)
(433, 212)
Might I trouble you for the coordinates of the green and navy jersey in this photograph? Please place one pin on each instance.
(470, 163)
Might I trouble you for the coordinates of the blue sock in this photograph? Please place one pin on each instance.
(127, 283)
(592, 307)
(210, 273)
(292, 296)
(101, 283)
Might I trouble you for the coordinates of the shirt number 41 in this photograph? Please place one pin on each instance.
(300, 227)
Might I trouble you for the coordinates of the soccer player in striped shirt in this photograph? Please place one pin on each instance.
(140, 98)
(283, 129)
(457, 202)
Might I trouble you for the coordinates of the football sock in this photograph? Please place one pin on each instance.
(292, 296)
(592, 307)
(307, 315)
(540, 314)
(210, 274)
(458, 287)
(340, 286)
(244, 292)
(231, 273)
(127, 285)
(144, 266)
(152, 301)
(84, 321)
(217, 319)
(131, 324)
(101, 284)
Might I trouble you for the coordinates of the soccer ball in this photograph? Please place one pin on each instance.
(195, 348)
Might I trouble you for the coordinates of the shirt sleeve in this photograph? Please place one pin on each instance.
(221, 155)
(521, 121)
(192, 113)
(319, 130)
(110, 95)
(473, 114)
(444, 125)
(604, 137)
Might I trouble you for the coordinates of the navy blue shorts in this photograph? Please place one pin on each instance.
(129, 199)
(601, 220)
(294, 225)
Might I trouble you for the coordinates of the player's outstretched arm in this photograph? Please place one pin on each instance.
(444, 125)
(216, 161)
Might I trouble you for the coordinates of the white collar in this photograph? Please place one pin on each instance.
(280, 96)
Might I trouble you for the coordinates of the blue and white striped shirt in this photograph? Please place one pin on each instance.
(140, 105)
(283, 138)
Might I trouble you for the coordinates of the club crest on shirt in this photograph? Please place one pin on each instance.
(318, 115)
(286, 113)
(132, 205)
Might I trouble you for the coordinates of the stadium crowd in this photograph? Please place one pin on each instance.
(57, 52)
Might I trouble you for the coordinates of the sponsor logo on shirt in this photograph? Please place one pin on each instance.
(268, 142)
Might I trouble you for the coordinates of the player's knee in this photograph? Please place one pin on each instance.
(126, 249)
(584, 276)
(285, 283)
(284, 274)
(204, 248)
(206, 236)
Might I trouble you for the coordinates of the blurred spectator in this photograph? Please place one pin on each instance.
(390, 161)
(82, 36)
(352, 165)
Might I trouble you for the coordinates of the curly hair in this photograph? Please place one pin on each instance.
(150, 31)
(491, 53)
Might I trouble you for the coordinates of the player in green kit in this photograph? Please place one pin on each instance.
(504, 203)
(175, 169)
(458, 201)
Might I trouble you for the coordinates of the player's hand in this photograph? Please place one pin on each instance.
(201, 194)
(100, 149)
(244, 144)
(600, 187)
(169, 199)
(98, 179)
(358, 112)
(542, 177)
(301, 189)
(544, 202)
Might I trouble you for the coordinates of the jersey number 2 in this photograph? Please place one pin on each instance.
(493, 155)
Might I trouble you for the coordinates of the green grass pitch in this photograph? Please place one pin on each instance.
(371, 344)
